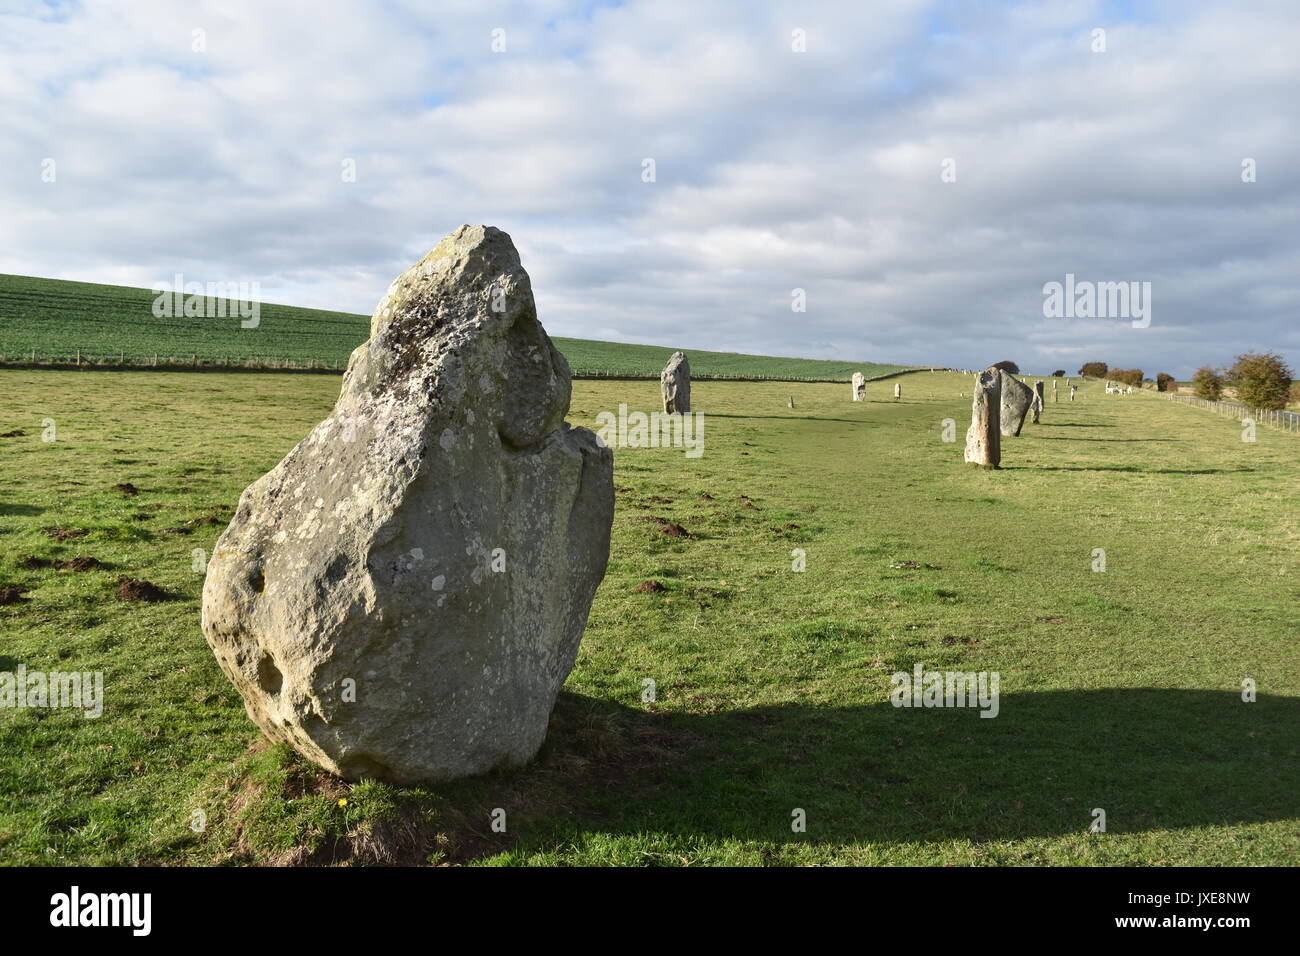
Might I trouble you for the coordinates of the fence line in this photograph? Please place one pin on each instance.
(77, 358)
(1277, 418)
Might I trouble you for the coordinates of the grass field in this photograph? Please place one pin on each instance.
(108, 324)
(1120, 690)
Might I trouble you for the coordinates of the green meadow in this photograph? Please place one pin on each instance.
(63, 323)
(1121, 689)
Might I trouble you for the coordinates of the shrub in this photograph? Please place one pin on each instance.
(1295, 392)
(1094, 369)
(1059, 373)
(1207, 383)
(1261, 379)
(1126, 376)
(1164, 382)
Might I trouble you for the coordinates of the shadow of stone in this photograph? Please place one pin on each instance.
(1143, 441)
(1131, 469)
(796, 418)
(1153, 758)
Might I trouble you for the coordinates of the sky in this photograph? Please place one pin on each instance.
(919, 171)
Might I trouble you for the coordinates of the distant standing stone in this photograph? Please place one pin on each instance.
(1038, 401)
(859, 387)
(1073, 389)
(983, 441)
(791, 402)
(1016, 399)
(675, 380)
(898, 390)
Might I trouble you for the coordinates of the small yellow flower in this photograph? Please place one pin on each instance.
(343, 802)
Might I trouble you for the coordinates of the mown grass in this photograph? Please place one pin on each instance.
(64, 322)
(1120, 690)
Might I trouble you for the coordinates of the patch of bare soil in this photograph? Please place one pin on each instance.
(79, 563)
(12, 595)
(130, 589)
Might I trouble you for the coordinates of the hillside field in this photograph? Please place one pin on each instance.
(1121, 689)
(114, 324)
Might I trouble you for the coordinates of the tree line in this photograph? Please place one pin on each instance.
(1259, 379)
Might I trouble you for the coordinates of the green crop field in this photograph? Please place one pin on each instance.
(60, 322)
(1121, 689)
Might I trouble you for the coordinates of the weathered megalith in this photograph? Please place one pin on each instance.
(791, 402)
(898, 390)
(1037, 403)
(403, 595)
(675, 380)
(859, 387)
(983, 438)
(1016, 399)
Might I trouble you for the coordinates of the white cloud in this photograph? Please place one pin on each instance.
(775, 169)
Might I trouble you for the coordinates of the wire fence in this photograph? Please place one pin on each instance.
(88, 359)
(1277, 418)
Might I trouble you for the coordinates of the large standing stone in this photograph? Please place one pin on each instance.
(675, 380)
(403, 595)
(859, 387)
(983, 441)
(1037, 403)
(898, 390)
(1016, 399)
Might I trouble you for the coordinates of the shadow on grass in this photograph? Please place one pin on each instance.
(1143, 441)
(7, 509)
(796, 418)
(1152, 758)
(1129, 468)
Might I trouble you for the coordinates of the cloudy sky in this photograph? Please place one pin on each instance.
(919, 169)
